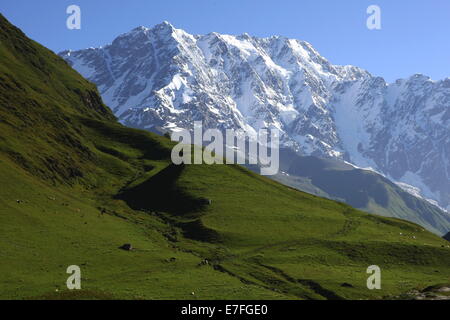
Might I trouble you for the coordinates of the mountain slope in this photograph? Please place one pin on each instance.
(362, 189)
(163, 78)
(447, 236)
(76, 185)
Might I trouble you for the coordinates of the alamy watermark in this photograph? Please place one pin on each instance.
(374, 20)
(74, 280)
(374, 281)
(261, 148)
(73, 22)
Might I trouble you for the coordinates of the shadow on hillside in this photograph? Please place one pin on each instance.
(137, 139)
(161, 193)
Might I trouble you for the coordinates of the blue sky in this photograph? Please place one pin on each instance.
(414, 37)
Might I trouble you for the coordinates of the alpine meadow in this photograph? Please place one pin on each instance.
(76, 185)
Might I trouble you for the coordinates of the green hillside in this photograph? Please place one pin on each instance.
(362, 189)
(75, 185)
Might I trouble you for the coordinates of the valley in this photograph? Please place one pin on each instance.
(76, 185)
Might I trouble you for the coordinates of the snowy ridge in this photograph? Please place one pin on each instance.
(163, 78)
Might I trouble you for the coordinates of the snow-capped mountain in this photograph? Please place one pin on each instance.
(163, 78)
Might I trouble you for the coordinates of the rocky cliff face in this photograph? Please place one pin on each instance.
(163, 78)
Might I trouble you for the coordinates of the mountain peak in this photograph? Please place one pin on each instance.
(164, 26)
(166, 23)
(419, 77)
(140, 28)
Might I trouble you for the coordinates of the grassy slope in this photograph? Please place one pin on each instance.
(64, 157)
(364, 190)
